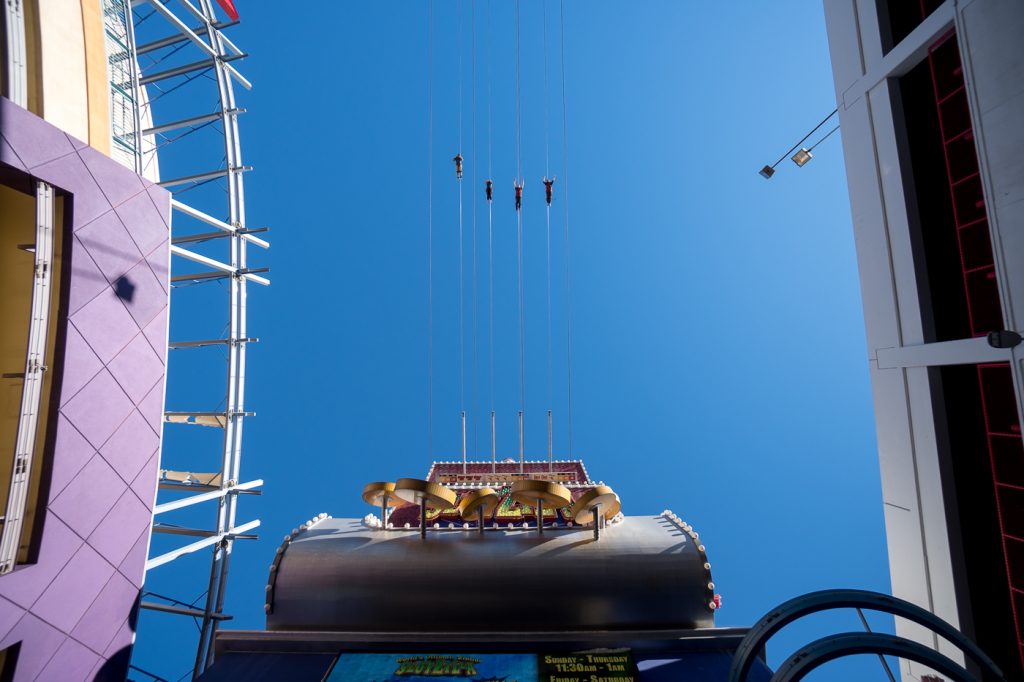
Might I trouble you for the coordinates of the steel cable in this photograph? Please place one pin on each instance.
(430, 229)
(568, 279)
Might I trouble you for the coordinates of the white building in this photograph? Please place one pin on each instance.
(931, 104)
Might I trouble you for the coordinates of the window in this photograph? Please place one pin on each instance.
(31, 220)
(945, 203)
(19, 54)
(897, 18)
(8, 661)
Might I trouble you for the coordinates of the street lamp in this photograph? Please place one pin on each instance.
(804, 155)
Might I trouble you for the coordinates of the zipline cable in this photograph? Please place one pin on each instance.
(462, 315)
(472, 48)
(519, 236)
(827, 135)
(490, 246)
(430, 229)
(547, 175)
(462, 352)
(568, 279)
(519, 126)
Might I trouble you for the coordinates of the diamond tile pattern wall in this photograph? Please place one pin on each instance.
(71, 610)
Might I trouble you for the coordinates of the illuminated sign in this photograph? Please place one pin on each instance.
(505, 477)
(435, 668)
(508, 511)
(612, 666)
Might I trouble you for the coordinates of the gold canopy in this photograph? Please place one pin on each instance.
(415, 491)
(598, 495)
(485, 498)
(529, 490)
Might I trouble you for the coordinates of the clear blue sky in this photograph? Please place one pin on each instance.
(719, 359)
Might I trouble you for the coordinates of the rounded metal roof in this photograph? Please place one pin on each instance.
(340, 575)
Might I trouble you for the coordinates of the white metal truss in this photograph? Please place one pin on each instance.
(196, 32)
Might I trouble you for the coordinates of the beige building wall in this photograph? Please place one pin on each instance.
(67, 62)
(96, 81)
(62, 52)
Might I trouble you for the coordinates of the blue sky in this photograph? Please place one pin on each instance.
(719, 361)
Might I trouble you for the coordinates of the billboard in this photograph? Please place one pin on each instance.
(611, 666)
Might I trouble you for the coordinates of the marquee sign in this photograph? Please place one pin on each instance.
(612, 666)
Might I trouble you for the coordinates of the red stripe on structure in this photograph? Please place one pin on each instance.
(983, 303)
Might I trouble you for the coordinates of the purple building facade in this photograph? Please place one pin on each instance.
(68, 612)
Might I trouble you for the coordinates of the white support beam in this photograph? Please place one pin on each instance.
(210, 342)
(199, 177)
(180, 70)
(199, 42)
(170, 529)
(206, 419)
(181, 610)
(214, 222)
(960, 352)
(205, 497)
(191, 121)
(199, 215)
(199, 15)
(203, 260)
(904, 56)
(176, 39)
(248, 273)
(200, 544)
(216, 265)
(207, 236)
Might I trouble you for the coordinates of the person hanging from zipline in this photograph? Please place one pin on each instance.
(519, 193)
(458, 166)
(547, 188)
(488, 187)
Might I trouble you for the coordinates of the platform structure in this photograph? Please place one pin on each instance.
(500, 477)
(185, 70)
(508, 570)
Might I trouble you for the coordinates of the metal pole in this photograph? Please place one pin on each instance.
(480, 514)
(463, 441)
(384, 512)
(201, 650)
(885, 664)
(235, 398)
(521, 469)
(550, 452)
(423, 518)
(221, 586)
(597, 526)
(494, 446)
(540, 515)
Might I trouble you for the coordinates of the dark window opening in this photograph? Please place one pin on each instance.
(945, 200)
(897, 18)
(9, 661)
(977, 422)
(982, 460)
